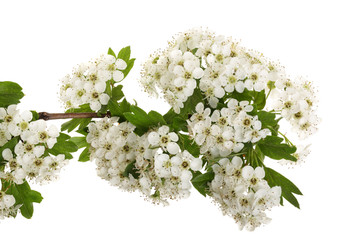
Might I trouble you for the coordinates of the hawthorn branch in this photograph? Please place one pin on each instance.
(53, 116)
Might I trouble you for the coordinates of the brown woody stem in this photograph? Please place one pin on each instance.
(51, 116)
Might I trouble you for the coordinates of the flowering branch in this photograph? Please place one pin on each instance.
(52, 116)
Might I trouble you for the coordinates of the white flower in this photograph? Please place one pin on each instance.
(165, 140)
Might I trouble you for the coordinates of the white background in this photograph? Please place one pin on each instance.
(40, 41)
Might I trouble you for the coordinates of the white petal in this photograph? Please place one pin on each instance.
(153, 138)
(174, 137)
(196, 164)
(198, 73)
(120, 64)
(173, 148)
(259, 172)
(247, 172)
(118, 76)
(104, 99)
(100, 87)
(27, 116)
(7, 154)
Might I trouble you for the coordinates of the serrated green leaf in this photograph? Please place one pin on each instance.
(63, 147)
(26, 197)
(85, 155)
(287, 187)
(117, 93)
(267, 119)
(201, 186)
(10, 93)
(124, 54)
(80, 142)
(130, 65)
(191, 102)
(156, 118)
(205, 177)
(111, 52)
(131, 169)
(259, 99)
(244, 96)
(185, 143)
(272, 147)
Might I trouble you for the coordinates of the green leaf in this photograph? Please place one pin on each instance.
(131, 169)
(188, 144)
(200, 181)
(244, 96)
(26, 197)
(156, 118)
(124, 54)
(142, 120)
(130, 65)
(267, 118)
(111, 52)
(287, 187)
(63, 147)
(117, 93)
(191, 102)
(259, 99)
(11, 145)
(10, 93)
(114, 108)
(35, 116)
(80, 141)
(272, 147)
(207, 177)
(85, 155)
(179, 124)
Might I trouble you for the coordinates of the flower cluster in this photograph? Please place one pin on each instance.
(7, 205)
(218, 67)
(87, 84)
(242, 193)
(296, 102)
(151, 163)
(28, 159)
(227, 130)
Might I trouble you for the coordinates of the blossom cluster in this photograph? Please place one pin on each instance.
(7, 204)
(152, 163)
(224, 132)
(219, 66)
(27, 159)
(87, 83)
(242, 193)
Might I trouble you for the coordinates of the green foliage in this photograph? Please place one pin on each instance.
(117, 93)
(131, 169)
(10, 93)
(24, 196)
(191, 102)
(273, 147)
(259, 99)
(288, 189)
(79, 123)
(85, 155)
(200, 181)
(142, 120)
(79, 141)
(124, 54)
(185, 143)
(11, 145)
(64, 145)
(111, 52)
(246, 95)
